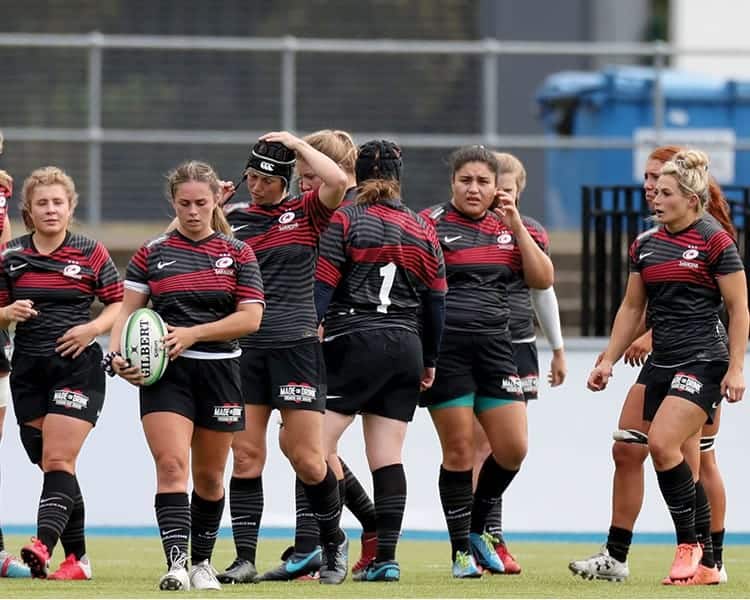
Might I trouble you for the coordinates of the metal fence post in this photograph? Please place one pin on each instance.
(490, 106)
(660, 55)
(289, 84)
(94, 212)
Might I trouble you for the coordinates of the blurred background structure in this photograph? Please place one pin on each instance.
(117, 92)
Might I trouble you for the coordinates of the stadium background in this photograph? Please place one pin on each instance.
(45, 107)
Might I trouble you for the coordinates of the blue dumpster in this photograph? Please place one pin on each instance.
(710, 113)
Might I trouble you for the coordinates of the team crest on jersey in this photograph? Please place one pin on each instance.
(298, 393)
(3, 201)
(73, 271)
(228, 413)
(224, 265)
(690, 254)
(685, 382)
(286, 221)
(70, 399)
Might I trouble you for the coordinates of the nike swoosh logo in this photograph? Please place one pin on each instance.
(643, 255)
(16, 267)
(296, 565)
(329, 397)
(238, 227)
(166, 533)
(449, 239)
(161, 264)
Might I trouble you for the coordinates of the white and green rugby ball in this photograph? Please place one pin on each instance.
(141, 344)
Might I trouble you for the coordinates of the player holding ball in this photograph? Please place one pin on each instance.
(206, 285)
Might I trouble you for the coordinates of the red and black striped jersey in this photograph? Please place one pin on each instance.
(61, 284)
(380, 258)
(349, 197)
(521, 312)
(285, 240)
(681, 272)
(195, 282)
(481, 260)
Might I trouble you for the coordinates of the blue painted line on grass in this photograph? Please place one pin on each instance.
(563, 537)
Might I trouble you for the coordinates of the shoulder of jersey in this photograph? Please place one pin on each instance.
(647, 234)
(531, 223)
(436, 212)
(234, 207)
(157, 240)
(708, 224)
(236, 243)
(82, 242)
(14, 245)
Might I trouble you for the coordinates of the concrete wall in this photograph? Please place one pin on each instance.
(564, 485)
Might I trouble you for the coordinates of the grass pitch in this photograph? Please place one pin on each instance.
(130, 567)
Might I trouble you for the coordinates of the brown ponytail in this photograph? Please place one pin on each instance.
(373, 191)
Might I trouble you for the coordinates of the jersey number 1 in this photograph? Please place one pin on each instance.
(388, 273)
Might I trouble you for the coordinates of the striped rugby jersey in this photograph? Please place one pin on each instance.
(481, 261)
(285, 238)
(521, 312)
(681, 272)
(195, 282)
(61, 284)
(380, 258)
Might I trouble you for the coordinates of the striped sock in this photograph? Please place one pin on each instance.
(456, 498)
(493, 481)
(703, 525)
(173, 519)
(306, 532)
(55, 506)
(205, 518)
(324, 500)
(389, 484)
(678, 489)
(494, 522)
(246, 508)
(717, 541)
(357, 500)
(73, 537)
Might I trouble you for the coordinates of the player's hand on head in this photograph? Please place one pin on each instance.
(19, 311)
(178, 340)
(129, 373)
(75, 340)
(733, 385)
(284, 137)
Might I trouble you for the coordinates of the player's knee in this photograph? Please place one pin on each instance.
(458, 455)
(209, 483)
(248, 460)
(662, 452)
(171, 470)
(629, 456)
(310, 466)
(31, 438)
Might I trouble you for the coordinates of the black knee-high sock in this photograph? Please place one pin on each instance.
(2, 541)
(205, 518)
(342, 493)
(55, 506)
(493, 481)
(73, 537)
(703, 525)
(306, 532)
(618, 543)
(494, 522)
(456, 498)
(324, 501)
(246, 508)
(717, 541)
(678, 489)
(389, 485)
(173, 519)
(357, 500)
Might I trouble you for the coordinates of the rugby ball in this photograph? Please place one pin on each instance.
(141, 344)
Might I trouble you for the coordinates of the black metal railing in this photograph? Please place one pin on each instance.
(612, 217)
